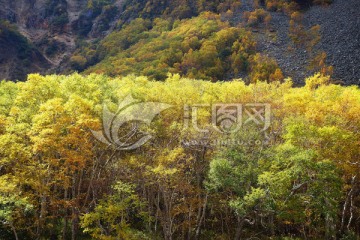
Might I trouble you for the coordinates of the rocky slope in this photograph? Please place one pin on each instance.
(18, 55)
(340, 30)
(56, 28)
(340, 40)
(52, 28)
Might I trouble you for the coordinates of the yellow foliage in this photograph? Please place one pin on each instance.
(47, 147)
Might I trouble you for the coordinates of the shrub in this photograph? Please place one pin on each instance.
(264, 68)
(257, 17)
(78, 62)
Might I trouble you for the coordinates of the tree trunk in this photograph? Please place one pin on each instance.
(65, 217)
(64, 228)
(201, 219)
(239, 227)
(74, 213)
(14, 231)
(42, 215)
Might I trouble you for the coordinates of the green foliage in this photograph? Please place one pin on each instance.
(302, 190)
(78, 62)
(285, 182)
(8, 91)
(109, 219)
(202, 47)
(12, 205)
(234, 172)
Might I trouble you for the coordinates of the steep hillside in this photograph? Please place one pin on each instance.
(18, 56)
(339, 38)
(340, 31)
(68, 36)
(300, 44)
(54, 26)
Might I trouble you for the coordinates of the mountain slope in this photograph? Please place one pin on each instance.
(340, 31)
(68, 36)
(18, 56)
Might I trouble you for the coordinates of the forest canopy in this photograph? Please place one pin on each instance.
(57, 180)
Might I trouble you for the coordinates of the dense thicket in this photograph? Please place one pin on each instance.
(203, 47)
(300, 179)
